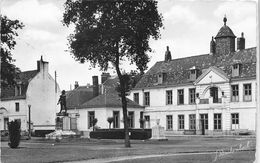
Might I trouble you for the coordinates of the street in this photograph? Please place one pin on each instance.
(176, 149)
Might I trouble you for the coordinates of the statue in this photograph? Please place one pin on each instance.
(62, 102)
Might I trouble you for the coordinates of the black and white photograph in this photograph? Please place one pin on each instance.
(129, 81)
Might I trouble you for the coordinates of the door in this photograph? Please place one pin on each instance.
(214, 94)
(203, 123)
(116, 119)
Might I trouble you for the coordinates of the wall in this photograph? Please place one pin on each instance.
(12, 114)
(43, 99)
(102, 114)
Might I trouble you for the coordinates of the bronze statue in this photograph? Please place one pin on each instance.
(62, 102)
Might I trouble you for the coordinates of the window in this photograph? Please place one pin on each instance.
(147, 98)
(180, 97)
(235, 70)
(141, 117)
(169, 122)
(91, 116)
(234, 94)
(204, 121)
(235, 118)
(217, 121)
(131, 119)
(169, 97)
(116, 119)
(17, 107)
(192, 96)
(192, 121)
(136, 98)
(18, 90)
(181, 122)
(164, 77)
(247, 92)
(193, 74)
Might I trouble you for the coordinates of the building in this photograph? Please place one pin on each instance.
(35, 89)
(212, 93)
(102, 104)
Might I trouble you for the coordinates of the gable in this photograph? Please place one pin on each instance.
(212, 75)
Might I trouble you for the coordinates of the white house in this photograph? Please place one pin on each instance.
(209, 94)
(101, 106)
(35, 89)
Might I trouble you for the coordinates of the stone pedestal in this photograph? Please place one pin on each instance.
(65, 123)
(158, 132)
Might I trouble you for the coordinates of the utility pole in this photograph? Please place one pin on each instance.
(29, 112)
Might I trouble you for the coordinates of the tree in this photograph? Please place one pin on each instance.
(94, 122)
(8, 33)
(111, 32)
(110, 120)
(14, 134)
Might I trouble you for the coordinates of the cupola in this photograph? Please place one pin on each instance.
(225, 40)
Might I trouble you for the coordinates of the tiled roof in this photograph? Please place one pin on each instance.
(78, 96)
(8, 93)
(224, 32)
(108, 100)
(178, 70)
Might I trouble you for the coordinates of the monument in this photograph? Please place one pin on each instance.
(158, 131)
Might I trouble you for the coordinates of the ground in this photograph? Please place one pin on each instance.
(177, 149)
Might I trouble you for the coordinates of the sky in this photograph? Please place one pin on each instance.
(188, 28)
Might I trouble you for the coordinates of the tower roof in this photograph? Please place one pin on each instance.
(225, 31)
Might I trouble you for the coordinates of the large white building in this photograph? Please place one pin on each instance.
(36, 89)
(206, 94)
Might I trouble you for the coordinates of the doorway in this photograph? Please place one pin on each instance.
(214, 94)
(116, 119)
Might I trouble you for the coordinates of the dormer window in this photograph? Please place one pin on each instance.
(18, 90)
(193, 73)
(162, 78)
(236, 69)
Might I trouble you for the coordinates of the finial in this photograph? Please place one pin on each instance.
(242, 34)
(225, 19)
(212, 38)
(167, 47)
(41, 58)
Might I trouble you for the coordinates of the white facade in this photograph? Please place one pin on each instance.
(42, 98)
(159, 109)
(102, 114)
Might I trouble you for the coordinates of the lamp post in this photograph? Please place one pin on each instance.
(29, 109)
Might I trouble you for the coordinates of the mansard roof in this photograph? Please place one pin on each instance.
(178, 70)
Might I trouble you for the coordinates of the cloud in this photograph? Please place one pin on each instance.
(237, 10)
(180, 13)
(32, 12)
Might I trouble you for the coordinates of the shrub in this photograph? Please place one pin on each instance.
(137, 134)
(14, 134)
(110, 120)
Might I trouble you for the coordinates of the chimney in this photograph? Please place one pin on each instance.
(212, 46)
(76, 85)
(43, 66)
(168, 56)
(104, 77)
(241, 42)
(95, 86)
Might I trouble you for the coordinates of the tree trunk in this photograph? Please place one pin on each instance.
(124, 102)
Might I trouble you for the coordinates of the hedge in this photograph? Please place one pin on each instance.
(137, 134)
